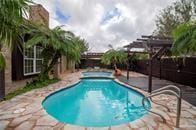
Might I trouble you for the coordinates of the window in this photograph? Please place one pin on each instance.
(32, 60)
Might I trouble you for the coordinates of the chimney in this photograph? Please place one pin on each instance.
(38, 14)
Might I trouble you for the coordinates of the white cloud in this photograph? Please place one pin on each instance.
(86, 19)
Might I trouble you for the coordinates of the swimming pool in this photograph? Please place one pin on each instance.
(95, 103)
(97, 74)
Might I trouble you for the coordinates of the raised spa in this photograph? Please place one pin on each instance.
(97, 74)
(95, 103)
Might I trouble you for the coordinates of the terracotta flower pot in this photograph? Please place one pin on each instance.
(118, 72)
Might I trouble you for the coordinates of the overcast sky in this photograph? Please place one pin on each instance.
(103, 22)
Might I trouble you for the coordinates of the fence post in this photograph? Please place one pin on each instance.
(2, 84)
(150, 71)
(160, 68)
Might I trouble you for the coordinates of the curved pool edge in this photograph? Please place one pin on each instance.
(120, 127)
(61, 89)
(144, 93)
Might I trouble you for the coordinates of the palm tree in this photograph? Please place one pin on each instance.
(184, 39)
(55, 42)
(79, 46)
(114, 57)
(11, 17)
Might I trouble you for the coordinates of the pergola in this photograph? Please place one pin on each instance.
(154, 46)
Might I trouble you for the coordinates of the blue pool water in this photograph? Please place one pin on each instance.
(96, 103)
(97, 74)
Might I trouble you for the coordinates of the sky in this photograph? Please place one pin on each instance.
(104, 22)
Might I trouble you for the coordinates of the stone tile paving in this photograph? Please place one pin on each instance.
(25, 112)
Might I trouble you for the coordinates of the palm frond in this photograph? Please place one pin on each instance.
(2, 61)
(114, 56)
(184, 39)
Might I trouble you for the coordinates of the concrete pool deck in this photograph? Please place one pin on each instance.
(25, 112)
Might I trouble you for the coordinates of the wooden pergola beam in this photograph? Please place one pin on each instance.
(160, 51)
(143, 52)
(151, 44)
(156, 37)
(141, 39)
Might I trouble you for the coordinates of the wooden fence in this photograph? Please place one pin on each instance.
(2, 84)
(167, 68)
(179, 71)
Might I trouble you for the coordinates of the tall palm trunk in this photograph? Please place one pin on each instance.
(2, 59)
(48, 66)
(115, 66)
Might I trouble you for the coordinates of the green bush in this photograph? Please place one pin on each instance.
(30, 86)
(140, 57)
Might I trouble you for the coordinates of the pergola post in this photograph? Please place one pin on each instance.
(150, 71)
(160, 69)
(128, 49)
(155, 47)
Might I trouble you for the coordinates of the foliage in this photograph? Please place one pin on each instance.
(113, 57)
(11, 17)
(140, 57)
(179, 12)
(185, 39)
(30, 86)
(2, 61)
(76, 49)
(166, 22)
(55, 42)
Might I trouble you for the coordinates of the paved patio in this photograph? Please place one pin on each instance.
(25, 112)
(141, 81)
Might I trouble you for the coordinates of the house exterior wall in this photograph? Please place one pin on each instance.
(38, 15)
(62, 67)
(14, 73)
(11, 85)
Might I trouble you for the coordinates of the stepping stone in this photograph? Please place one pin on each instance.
(8, 116)
(42, 128)
(120, 127)
(20, 110)
(72, 127)
(27, 125)
(19, 120)
(137, 124)
(3, 124)
(47, 121)
(21, 105)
